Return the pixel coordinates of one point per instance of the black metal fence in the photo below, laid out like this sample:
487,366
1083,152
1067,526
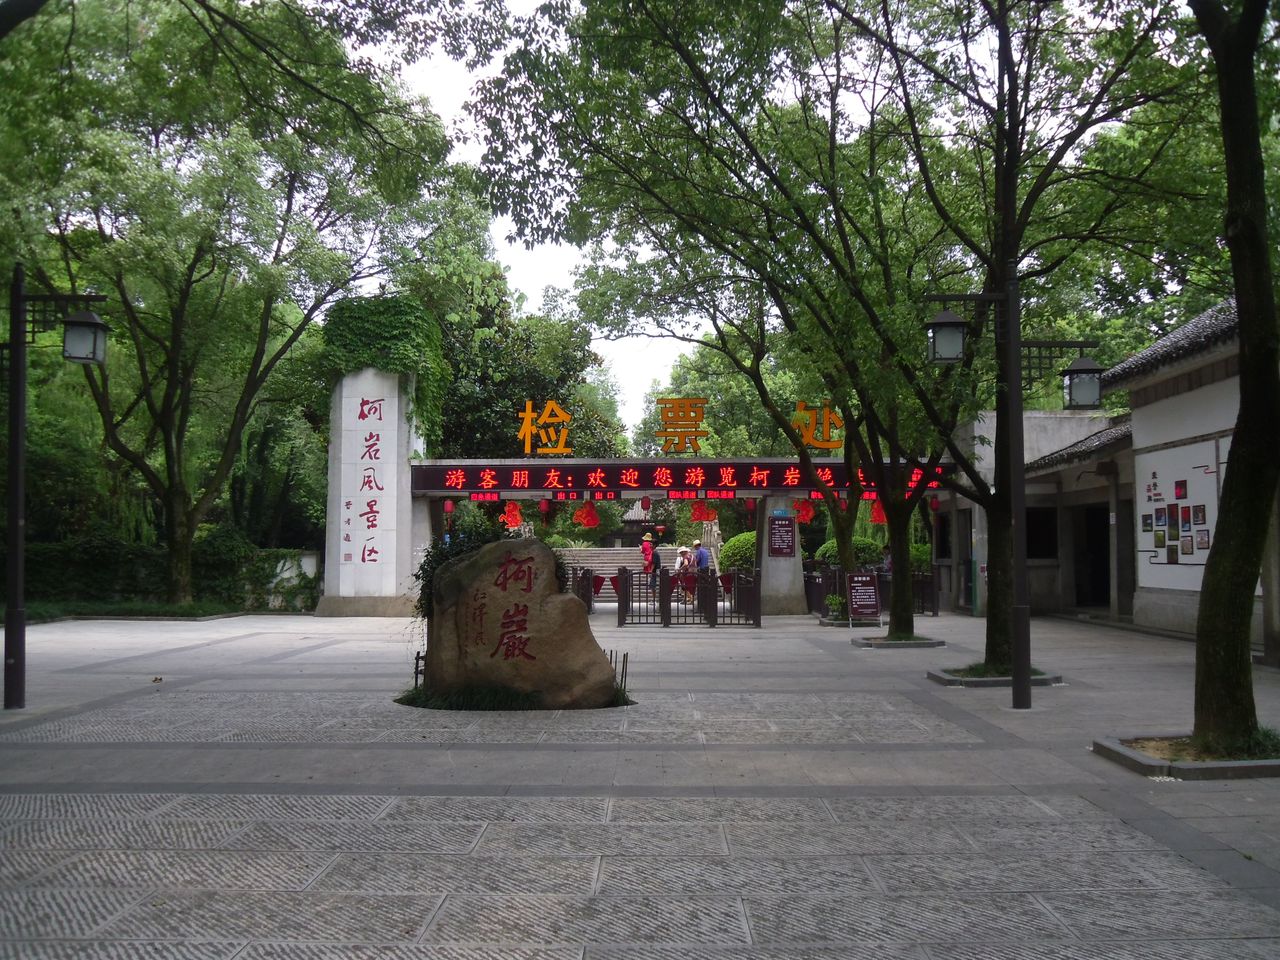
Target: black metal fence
702,599
581,586
821,583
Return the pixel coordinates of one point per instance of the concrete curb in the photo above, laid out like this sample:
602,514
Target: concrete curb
868,644
1135,760
951,680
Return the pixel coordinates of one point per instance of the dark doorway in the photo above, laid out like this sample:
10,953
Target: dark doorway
962,547
1092,548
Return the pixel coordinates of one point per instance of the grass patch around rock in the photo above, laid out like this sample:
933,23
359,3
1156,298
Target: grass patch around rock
488,698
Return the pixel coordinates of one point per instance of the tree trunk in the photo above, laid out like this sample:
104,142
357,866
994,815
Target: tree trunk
180,536
999,651
1225,714
902,622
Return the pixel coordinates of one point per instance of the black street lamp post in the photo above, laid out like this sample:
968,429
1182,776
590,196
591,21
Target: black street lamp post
947,335
85,337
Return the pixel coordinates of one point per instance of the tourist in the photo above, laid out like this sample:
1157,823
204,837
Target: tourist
684,569
651,561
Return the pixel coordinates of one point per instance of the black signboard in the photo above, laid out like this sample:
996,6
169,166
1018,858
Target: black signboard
782,536
864,597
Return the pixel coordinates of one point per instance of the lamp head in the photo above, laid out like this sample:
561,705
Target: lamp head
84,338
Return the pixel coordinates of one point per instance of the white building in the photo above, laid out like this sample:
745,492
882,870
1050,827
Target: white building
1121,512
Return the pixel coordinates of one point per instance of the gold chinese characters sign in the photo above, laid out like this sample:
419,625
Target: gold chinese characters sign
546,431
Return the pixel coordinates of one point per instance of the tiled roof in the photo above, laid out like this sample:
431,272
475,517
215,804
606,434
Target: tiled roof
1116,435
1216,325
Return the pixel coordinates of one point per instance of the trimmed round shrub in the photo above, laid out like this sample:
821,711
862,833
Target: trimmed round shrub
739,553
866,553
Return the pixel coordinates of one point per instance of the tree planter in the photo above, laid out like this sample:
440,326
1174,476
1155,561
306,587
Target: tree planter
879,643
1150,766
948,679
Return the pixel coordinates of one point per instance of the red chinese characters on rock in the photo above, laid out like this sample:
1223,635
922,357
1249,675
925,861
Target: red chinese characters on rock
513,641
514,574
515,570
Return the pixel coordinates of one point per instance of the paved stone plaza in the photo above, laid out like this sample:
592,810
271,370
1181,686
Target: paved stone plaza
246,788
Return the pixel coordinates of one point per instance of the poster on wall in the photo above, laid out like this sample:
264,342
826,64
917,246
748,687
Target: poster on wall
1202,539
1146,523
1182,497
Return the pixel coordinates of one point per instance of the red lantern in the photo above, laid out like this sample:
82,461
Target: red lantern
511,516
544,507
448,507
877,512
933,503
750,505
804,510
645,504
661,528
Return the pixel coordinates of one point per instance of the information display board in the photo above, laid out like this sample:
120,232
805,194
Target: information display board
863,596
782,536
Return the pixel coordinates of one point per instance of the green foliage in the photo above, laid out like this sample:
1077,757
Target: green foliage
921,558
114,576
835,606
866,553
500,361
221,201
394,334
739,553
474,531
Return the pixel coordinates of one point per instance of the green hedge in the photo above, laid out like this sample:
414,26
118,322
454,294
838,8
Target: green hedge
225,568
866,553
739,553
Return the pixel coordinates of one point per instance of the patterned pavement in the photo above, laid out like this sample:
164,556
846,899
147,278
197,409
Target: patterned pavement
773,795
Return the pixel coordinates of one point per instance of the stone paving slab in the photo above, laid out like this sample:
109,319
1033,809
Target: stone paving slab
274,916
886,918
544,919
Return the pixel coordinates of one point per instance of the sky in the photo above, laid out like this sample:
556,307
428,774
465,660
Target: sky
634,362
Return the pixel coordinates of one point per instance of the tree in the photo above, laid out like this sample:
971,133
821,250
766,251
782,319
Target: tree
221,223
772,140
1237,36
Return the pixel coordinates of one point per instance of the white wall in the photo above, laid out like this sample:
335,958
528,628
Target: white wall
1208,410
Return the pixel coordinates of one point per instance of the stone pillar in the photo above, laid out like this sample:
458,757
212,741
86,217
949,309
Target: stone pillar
781,577
368,569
